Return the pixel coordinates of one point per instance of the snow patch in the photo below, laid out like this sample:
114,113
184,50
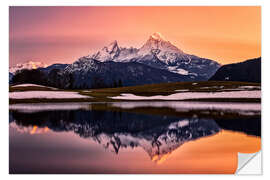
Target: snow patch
193,95
45,95
32,85
181,90
182,71
86,91
179,70
249,87
183,123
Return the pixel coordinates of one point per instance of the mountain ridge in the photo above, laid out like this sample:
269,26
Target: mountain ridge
159,53
157,61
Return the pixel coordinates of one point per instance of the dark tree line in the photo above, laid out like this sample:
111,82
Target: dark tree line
36,76
30,76
56,79
98,82
117,83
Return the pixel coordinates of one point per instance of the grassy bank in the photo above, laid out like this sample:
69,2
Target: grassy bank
102,95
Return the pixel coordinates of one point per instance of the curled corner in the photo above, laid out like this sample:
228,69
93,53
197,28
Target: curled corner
249,163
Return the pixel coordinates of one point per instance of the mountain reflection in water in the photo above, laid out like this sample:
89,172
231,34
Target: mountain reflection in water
158,135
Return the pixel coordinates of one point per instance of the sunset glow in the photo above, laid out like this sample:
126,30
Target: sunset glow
38,130
62,34
207,153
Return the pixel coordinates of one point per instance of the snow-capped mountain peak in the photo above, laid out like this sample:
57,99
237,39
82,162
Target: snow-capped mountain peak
164,50
107,53
159,53
155,48
158,36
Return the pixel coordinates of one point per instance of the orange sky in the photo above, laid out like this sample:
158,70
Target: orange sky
62,34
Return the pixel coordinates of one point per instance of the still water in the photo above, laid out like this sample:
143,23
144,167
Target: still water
96,138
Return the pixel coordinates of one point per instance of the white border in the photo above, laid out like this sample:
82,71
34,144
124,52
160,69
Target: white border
4,76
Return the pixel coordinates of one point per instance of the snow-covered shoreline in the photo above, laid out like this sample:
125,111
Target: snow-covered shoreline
46,95
192,95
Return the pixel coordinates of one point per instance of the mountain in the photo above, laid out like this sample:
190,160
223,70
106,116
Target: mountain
247,71
157,61
27,65
90,73
159,53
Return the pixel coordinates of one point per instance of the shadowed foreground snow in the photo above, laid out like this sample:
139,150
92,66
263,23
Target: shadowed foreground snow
193,95
39,107
45,95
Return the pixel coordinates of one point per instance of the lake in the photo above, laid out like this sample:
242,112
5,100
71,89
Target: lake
132,137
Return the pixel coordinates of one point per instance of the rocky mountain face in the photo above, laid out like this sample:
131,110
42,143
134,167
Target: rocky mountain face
90,73
247,71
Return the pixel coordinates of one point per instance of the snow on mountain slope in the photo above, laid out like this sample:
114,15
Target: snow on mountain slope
156,45
27,65
87,73
179,70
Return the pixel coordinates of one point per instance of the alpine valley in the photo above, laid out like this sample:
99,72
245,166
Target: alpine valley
157,61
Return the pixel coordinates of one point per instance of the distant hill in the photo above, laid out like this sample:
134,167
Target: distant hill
247,71
53,66
27,65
